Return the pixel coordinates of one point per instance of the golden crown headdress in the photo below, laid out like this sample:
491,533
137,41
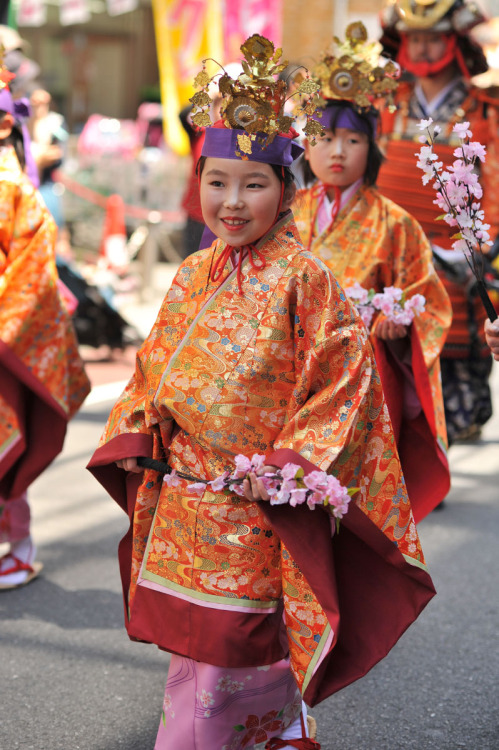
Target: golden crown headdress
255,100
354,73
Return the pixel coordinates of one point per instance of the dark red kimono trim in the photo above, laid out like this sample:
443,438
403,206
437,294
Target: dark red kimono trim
369,592
42,423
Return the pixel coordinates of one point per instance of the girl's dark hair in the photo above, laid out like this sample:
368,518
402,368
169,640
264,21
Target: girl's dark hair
284,174
15,139
375,157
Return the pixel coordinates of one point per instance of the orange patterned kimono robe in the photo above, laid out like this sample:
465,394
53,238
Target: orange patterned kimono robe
376,243
42,380
284,370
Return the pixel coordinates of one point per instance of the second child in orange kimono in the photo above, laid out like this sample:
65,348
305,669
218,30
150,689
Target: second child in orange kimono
42,378
257,350
363,237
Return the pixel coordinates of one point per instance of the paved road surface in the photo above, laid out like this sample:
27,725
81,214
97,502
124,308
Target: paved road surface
70,679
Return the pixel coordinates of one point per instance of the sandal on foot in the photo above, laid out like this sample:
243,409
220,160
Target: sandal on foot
312,727
18,566
305,743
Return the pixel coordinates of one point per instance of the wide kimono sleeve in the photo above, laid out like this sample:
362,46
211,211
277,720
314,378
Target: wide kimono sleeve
365,585
134,427
337,419
409,266
411,380
42,378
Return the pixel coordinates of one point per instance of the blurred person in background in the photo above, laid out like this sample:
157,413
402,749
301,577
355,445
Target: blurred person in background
26,72
431,41
48,137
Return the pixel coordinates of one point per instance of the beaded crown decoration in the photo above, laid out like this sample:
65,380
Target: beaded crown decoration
354,73
254,102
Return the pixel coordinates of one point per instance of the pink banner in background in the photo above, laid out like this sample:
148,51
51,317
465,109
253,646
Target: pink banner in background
73,11
242,19
31,13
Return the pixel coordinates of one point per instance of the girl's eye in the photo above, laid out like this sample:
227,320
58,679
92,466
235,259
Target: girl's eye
216,183
255,185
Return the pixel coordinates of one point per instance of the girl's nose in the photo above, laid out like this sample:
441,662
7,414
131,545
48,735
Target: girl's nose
232,198
338,147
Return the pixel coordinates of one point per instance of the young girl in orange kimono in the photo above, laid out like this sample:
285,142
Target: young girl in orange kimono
364,237
257,350
42,380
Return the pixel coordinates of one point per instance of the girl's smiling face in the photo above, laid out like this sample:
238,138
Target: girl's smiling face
240,199
339,158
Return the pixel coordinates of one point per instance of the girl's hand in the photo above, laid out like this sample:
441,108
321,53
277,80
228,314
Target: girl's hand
492,336
129,464
254,488
389,331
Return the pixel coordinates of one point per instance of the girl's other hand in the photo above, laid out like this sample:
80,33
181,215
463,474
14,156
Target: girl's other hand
389,331
492,337
254,488
129,464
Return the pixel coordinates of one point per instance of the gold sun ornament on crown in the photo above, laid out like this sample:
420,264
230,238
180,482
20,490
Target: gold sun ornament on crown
355,72
255,101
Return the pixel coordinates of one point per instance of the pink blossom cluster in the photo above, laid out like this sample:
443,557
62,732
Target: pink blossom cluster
392,302
458,190
287,485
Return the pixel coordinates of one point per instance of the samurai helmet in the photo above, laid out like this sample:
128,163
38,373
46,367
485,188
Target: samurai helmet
431,15
453,17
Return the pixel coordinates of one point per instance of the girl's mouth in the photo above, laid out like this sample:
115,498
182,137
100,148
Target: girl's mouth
337,168
233,223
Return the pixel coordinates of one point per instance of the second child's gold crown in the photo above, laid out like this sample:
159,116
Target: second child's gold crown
354,73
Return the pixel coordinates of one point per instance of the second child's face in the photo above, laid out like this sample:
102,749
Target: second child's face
239,199
339,158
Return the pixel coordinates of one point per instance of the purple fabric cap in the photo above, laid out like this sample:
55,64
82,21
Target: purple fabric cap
347,117
222,143
6,101
20,110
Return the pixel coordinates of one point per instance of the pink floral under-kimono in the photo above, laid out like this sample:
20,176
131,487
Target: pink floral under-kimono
234,707
284,369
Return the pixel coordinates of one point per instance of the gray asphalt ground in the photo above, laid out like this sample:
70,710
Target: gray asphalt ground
70,679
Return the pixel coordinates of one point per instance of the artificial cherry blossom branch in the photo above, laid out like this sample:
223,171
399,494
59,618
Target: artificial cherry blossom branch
458,192
392,302
288,485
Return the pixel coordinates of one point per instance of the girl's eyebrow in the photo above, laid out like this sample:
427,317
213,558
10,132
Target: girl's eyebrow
221,173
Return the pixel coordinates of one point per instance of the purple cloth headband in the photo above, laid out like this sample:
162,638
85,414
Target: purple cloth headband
19,108
222,143
343,116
